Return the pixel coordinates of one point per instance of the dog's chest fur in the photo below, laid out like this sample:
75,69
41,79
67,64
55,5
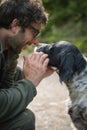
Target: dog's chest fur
78,85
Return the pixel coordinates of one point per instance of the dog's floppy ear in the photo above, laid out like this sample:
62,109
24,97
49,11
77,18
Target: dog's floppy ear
66,68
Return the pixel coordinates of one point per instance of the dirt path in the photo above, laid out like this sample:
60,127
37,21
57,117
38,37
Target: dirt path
50,105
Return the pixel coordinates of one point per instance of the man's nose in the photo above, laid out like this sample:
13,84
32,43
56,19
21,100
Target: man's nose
35,41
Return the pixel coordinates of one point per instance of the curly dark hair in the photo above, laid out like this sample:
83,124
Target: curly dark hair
26,11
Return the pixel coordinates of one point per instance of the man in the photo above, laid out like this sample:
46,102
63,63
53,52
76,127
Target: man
20,24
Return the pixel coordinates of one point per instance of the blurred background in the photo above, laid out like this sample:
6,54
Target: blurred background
67,21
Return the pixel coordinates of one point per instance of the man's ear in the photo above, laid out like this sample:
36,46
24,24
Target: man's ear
14,25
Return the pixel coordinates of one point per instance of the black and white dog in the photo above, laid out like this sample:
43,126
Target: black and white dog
72,70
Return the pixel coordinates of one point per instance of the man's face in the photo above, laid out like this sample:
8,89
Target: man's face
21,39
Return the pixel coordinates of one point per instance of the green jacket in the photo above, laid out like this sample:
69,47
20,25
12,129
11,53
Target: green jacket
14,96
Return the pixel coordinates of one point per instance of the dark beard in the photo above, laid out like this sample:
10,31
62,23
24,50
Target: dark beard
15,43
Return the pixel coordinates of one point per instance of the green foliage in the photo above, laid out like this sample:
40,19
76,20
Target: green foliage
62,11
28,50
67,21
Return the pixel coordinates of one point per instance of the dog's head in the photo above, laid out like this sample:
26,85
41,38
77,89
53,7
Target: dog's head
65,57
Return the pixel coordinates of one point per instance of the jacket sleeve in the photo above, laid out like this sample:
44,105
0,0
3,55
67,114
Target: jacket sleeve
15,99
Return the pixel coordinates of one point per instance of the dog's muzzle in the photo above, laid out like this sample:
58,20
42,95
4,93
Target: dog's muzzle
38,48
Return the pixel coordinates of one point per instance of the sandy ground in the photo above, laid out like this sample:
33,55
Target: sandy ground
51,105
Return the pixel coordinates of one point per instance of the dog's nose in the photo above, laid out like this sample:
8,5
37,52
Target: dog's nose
39,45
